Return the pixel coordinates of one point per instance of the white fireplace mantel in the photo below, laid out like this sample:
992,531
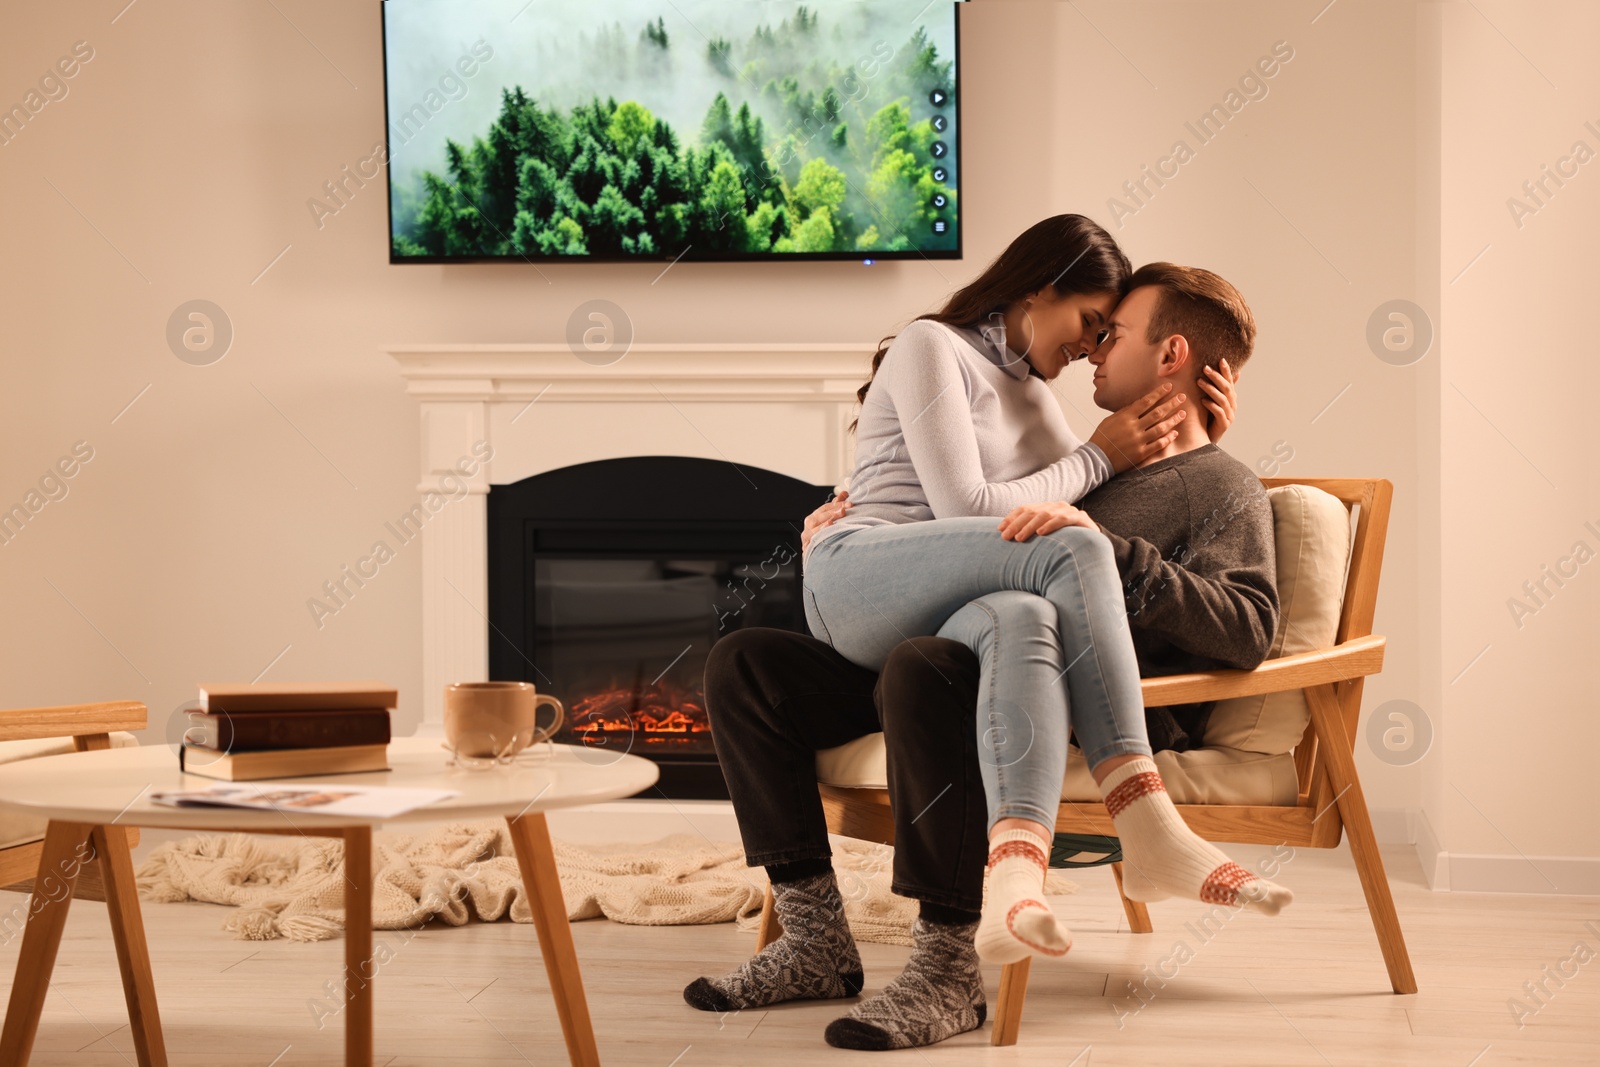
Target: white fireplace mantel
537,407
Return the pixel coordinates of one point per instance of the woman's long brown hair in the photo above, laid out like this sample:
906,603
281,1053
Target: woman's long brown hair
1070,252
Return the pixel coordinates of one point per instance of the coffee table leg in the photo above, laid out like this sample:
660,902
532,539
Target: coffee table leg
359,973
133,953
530,836
62,853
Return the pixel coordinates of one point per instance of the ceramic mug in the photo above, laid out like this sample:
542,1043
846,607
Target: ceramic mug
484,720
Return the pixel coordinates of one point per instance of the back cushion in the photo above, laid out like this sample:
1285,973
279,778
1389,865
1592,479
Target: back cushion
1312,531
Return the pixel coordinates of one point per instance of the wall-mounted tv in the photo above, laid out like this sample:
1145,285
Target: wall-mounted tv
616,130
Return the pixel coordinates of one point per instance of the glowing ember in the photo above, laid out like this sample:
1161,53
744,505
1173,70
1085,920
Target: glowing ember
662,711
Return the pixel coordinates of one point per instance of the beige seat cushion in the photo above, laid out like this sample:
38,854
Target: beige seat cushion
1312,531
1200,776
1207,775
1245,755
18,829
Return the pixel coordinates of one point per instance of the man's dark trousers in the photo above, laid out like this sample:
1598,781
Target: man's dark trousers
776,697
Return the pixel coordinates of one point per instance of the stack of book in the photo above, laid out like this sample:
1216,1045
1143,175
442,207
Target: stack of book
246,732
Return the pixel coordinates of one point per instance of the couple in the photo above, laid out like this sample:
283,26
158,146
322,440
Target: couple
1045,619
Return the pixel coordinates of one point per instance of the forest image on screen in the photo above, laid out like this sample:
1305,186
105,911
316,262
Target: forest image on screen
702,129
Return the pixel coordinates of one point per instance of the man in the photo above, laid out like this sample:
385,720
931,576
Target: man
1191,531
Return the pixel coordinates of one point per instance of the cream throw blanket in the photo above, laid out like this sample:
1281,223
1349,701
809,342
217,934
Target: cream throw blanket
293,887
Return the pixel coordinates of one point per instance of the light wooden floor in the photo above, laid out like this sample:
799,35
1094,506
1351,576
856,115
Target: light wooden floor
1307,987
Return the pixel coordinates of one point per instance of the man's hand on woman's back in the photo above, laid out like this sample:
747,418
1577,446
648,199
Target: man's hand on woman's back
824,516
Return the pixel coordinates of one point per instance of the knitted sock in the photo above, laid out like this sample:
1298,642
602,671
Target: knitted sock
1162,857
815,959
1016,920
938,995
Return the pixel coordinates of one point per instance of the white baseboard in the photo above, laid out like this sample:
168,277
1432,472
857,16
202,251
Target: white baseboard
1468,872
1540,875
1434,859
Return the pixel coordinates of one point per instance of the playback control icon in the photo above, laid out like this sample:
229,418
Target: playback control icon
939,150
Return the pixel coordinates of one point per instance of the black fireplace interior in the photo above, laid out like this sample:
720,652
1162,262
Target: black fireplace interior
610,581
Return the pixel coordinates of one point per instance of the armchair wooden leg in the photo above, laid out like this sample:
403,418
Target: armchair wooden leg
770,929
65,846
111,845
1338,759
1008,1004
1138,915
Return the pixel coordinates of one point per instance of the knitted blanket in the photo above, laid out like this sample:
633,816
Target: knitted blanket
293,887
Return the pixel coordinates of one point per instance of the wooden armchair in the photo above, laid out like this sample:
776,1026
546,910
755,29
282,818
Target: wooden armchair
1329,801
90,726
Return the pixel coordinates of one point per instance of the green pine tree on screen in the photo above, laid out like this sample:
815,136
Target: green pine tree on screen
798,151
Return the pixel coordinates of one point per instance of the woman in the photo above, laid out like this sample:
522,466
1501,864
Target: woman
958,427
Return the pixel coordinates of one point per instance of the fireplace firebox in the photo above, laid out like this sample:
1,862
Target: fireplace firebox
610,581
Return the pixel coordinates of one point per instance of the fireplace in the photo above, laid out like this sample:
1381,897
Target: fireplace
609,582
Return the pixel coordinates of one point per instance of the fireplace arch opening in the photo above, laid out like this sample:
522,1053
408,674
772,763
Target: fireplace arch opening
610,581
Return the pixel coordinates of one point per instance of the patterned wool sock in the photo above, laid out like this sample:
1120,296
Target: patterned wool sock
1162,857
1016,919
815,959
938,995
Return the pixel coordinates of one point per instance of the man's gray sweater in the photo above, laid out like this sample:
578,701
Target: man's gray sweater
1193,539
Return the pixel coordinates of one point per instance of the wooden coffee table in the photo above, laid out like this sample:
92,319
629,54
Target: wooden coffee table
90,798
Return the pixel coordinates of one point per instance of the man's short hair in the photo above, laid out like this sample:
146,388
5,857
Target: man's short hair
1204,307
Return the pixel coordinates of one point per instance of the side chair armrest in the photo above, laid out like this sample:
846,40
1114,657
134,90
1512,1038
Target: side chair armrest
1356,658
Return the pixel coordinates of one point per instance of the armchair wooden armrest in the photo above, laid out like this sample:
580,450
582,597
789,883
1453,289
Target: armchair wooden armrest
1355,658
73,720
90,726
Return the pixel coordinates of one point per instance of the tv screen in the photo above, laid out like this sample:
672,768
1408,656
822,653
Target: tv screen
622,130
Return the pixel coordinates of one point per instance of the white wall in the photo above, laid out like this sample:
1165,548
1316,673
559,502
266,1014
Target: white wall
180,165
1512,449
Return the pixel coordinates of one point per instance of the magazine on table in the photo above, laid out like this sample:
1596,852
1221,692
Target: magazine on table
362,800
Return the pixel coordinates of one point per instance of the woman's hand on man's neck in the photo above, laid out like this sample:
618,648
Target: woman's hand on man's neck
1192,431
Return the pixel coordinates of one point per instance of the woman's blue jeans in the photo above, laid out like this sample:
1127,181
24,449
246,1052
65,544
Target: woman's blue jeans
1045,616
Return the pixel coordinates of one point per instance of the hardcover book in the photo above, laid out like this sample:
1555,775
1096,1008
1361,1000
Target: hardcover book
254,731
297,696
282,763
